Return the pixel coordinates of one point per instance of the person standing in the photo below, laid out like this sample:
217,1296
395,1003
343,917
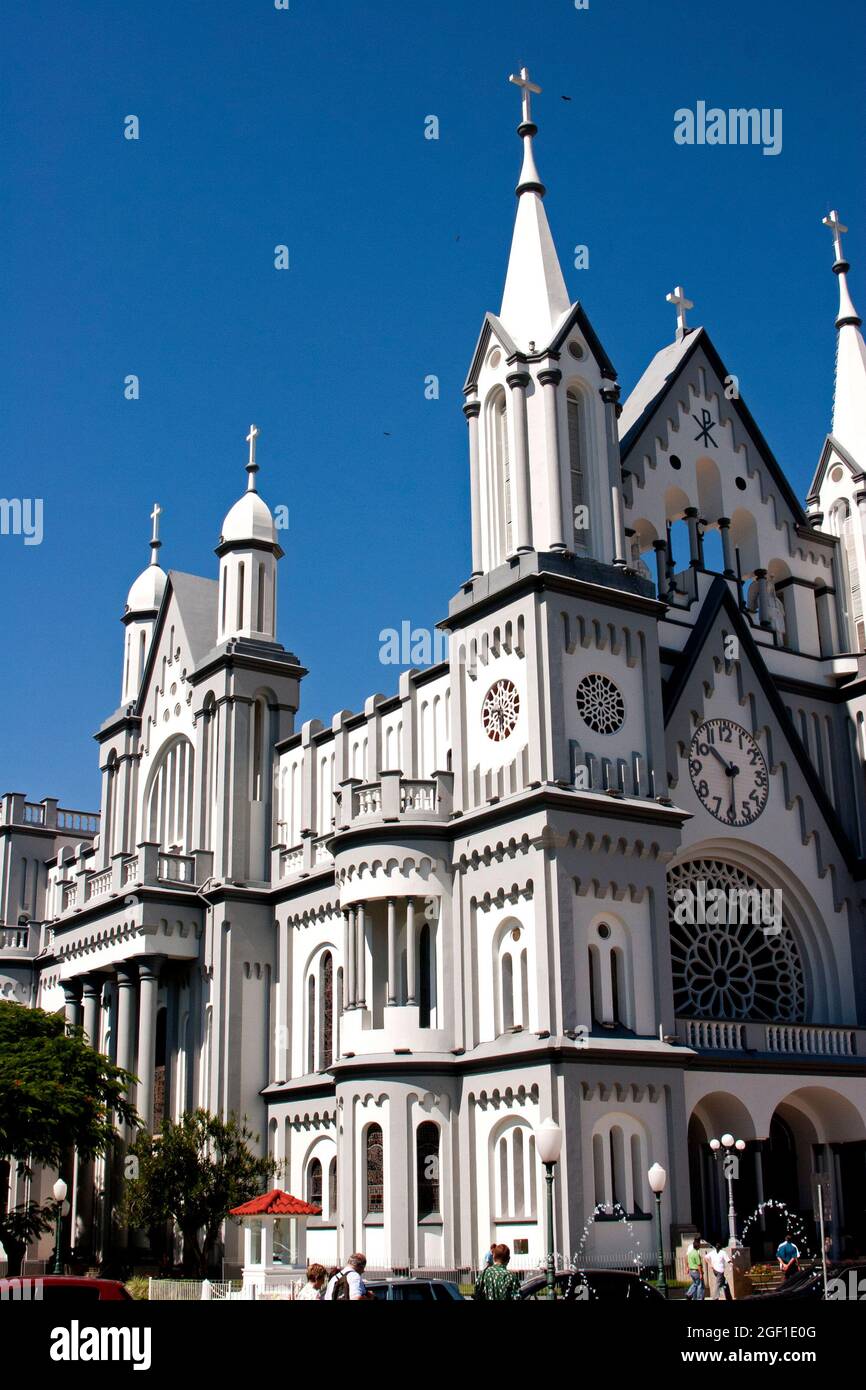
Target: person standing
496,1283
348,1283
695,1264
719,1259
789,1257
314,1289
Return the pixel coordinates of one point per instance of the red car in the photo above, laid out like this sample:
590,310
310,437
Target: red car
62,1288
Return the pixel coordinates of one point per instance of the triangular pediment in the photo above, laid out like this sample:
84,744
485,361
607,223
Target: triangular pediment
682,376
834,452
721,675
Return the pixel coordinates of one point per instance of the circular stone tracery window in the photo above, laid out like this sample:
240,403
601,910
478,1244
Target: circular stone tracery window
500,710
600,704
730,967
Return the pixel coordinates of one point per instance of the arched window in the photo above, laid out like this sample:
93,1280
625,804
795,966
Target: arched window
609,989
314,1182
511,965
498,478
515,1173
260,601
326,994
258,750
842,525
374,1171
427,1169
241,580
427,976
332,1189
620,1162
577,473
170,797
311,1023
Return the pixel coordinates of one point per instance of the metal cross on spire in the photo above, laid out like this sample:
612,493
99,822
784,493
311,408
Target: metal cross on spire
677,297
834,222
252,466
521,80
155,542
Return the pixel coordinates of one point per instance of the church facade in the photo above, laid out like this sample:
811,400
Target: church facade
603,864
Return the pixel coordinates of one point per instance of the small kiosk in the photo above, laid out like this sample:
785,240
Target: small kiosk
275,1242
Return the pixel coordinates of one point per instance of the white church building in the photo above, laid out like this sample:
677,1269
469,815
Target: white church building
525,884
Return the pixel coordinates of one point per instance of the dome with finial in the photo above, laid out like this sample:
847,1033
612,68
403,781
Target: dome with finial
147,592
250,518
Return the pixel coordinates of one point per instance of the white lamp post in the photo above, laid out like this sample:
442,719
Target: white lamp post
60,1191
728,1142
548,1139
657,1178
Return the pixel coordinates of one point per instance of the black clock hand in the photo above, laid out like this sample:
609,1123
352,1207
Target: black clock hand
716,754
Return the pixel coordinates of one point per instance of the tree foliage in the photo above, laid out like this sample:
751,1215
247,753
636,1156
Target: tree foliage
20,1226
193,1173
56,1091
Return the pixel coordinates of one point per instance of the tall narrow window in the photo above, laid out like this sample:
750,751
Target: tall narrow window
311,1024
260,609
241,578
314,1182
504,461
326,984
425,960
225,590
374,1186
427,1155
142,651
258,738
332,1189
615,980
576,463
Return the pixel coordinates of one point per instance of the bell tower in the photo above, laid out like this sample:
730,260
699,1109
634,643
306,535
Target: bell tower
541,404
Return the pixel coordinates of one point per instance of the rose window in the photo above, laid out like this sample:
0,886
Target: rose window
732,956
600,704
500,710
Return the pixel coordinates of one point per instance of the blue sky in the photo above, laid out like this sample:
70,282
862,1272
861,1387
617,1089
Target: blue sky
306,128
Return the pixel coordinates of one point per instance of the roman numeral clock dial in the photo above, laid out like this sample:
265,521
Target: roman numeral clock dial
728,772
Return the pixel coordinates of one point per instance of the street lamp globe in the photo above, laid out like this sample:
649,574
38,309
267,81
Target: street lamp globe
740,1144
657,1178
60,1190
715,1145
548,1137
728,1141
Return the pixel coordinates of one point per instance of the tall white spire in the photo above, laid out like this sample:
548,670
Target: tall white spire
849,400
535,297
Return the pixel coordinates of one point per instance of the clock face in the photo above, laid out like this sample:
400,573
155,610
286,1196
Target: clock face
728,772
500,710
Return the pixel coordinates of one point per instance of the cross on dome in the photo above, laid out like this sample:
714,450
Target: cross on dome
834,222
155,542
677,297
252,466
521,80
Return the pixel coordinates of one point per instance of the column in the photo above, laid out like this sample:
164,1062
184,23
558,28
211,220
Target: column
347,951
618,529
549,380
472,410
127,978
518,382
92,993
72,998
727,550
411,967
148,990
392,952
350,958
361,952
661,550
695,548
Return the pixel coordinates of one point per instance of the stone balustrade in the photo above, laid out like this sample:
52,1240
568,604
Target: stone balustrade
785,1039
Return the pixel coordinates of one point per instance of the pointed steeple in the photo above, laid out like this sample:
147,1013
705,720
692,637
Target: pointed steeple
535,297
849,399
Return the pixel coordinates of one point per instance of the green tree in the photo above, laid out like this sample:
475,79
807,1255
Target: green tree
20,1226
56,1091
193,1173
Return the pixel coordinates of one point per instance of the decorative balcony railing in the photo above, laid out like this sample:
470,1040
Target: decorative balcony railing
176,868
395,797
14,938
788,1039
97,885
83,821
15,809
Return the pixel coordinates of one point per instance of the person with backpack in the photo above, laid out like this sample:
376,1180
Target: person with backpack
348,1283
